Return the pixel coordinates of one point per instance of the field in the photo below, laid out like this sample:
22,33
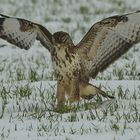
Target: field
28,85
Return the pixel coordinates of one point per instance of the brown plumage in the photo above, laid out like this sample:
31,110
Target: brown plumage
74,65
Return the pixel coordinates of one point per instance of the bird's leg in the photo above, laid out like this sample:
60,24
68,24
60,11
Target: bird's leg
87,91
60,94
74,89
74,95
61,107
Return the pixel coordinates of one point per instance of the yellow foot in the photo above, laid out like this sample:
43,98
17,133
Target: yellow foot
67,108
63,109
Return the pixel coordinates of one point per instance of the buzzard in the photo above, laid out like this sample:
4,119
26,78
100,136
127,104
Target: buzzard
74,65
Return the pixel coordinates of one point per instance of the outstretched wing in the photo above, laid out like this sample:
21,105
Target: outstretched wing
23,33
107,40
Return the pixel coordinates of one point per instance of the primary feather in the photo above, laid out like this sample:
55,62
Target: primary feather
23,33
108,39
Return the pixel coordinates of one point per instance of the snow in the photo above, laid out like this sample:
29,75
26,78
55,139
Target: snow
28,86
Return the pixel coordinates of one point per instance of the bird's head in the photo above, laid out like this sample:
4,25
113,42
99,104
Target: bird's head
62,38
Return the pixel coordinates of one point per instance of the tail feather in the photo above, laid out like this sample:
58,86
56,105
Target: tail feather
88,91
5,16
104,94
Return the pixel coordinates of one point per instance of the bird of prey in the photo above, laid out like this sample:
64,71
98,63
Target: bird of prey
74,65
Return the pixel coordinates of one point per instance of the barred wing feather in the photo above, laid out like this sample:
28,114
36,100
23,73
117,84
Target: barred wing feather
108,39
23,33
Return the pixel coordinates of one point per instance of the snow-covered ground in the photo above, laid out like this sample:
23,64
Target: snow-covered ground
28,86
